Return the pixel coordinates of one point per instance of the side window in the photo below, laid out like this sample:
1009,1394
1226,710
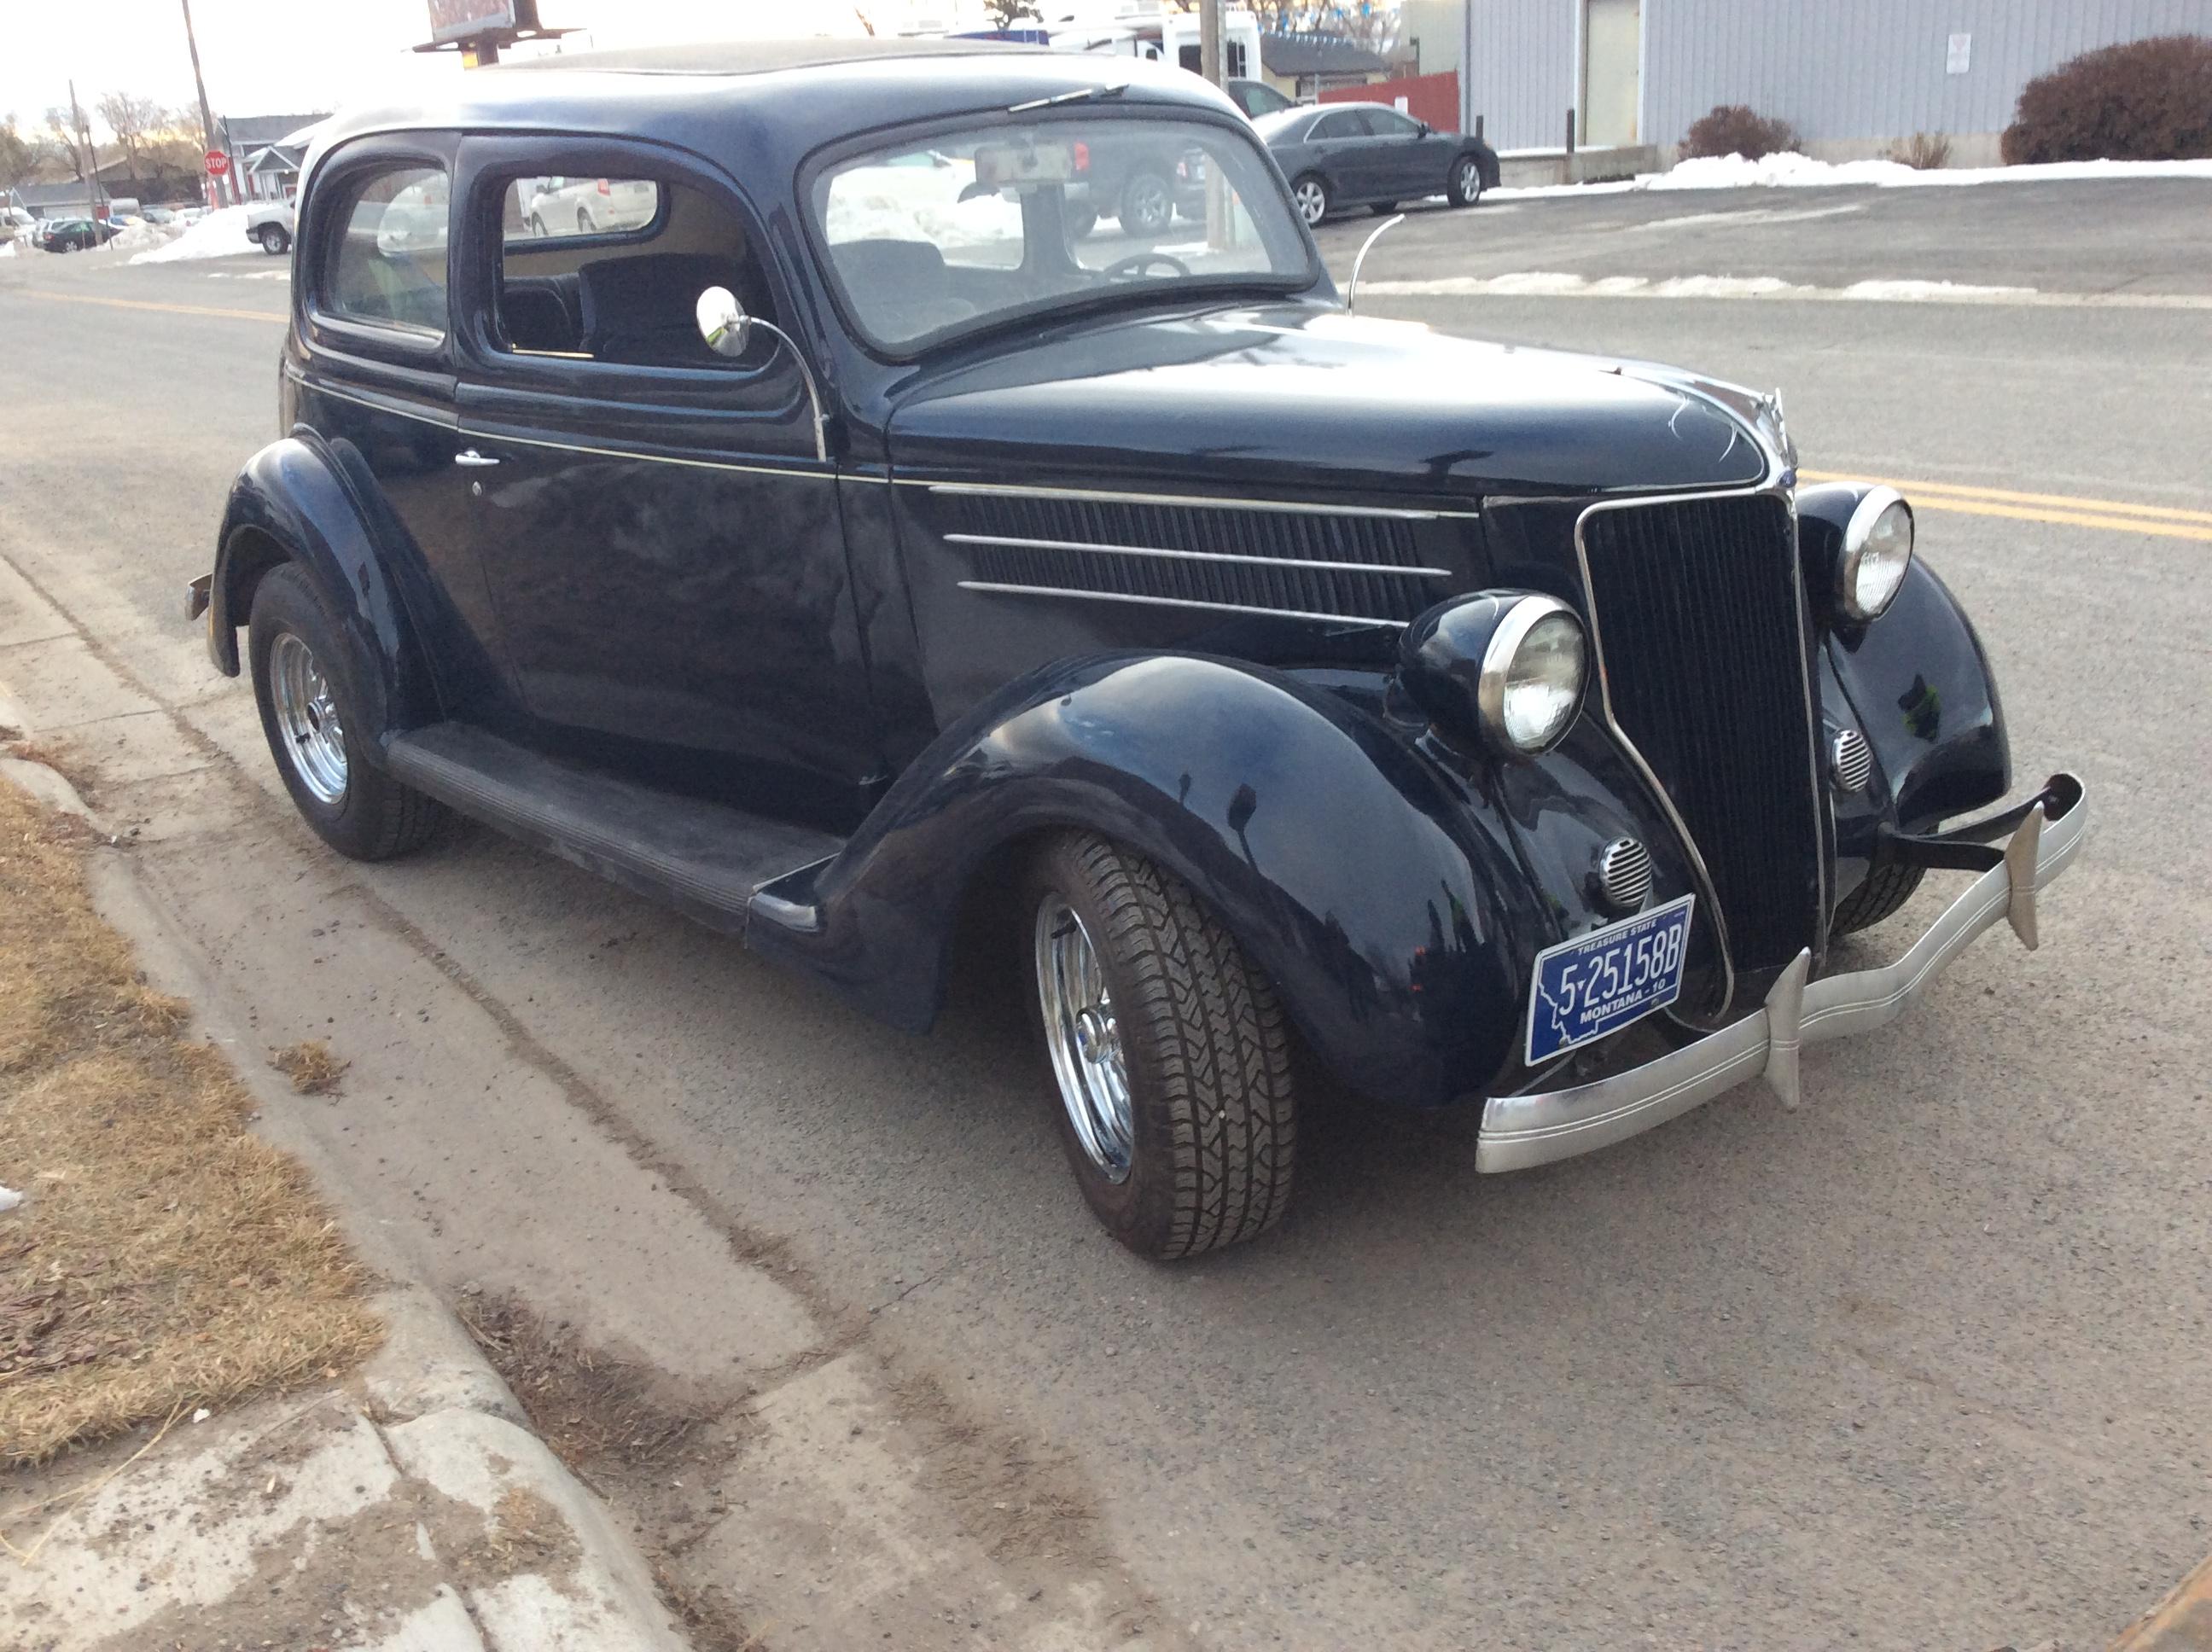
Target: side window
611,270
1388,123
1344,123
386,263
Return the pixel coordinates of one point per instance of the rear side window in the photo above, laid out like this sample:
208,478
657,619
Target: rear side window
572,209
1345,123
387,262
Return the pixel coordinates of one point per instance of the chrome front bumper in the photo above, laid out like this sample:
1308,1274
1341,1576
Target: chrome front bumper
1519,1131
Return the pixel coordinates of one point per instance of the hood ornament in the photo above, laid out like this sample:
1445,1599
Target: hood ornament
1352,287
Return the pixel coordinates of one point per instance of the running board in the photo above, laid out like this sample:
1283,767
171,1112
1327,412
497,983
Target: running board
706,860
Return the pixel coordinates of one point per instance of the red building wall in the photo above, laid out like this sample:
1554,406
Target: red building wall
1432,98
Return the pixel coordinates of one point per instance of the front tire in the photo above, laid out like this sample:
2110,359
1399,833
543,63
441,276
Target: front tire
1169,1054
1465,184
1310,195
298,657
1884,890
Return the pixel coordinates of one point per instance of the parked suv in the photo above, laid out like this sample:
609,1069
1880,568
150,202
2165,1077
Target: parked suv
853,558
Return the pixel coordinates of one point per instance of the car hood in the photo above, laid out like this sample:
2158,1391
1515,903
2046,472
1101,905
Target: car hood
1300,397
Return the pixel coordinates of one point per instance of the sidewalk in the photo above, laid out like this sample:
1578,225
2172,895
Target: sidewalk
404,1510
154,1256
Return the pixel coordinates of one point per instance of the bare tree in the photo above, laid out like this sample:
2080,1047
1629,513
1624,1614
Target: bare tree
19,155
132,119
1007,14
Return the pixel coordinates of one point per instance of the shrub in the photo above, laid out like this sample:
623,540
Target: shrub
1923,152
1738,129
2147,100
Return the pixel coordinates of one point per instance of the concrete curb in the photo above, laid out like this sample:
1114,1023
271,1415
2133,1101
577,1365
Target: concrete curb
441,1417
2181,1623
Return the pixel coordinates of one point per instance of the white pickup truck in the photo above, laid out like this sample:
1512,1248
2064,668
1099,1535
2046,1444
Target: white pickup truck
270,223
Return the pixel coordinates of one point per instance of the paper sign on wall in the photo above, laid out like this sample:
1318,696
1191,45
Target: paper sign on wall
1961,52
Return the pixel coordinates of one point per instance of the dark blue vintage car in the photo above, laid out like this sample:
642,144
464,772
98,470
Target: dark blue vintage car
802,521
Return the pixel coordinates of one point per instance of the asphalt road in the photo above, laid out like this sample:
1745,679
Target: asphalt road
1924,1364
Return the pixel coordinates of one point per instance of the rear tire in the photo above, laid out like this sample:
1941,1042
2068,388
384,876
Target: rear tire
1197,1062
1147,203
1885,889
354,807
1381,209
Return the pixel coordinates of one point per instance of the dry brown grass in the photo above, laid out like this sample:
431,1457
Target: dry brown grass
310,1066
163,1258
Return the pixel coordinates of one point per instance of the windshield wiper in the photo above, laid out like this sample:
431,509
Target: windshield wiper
1082,93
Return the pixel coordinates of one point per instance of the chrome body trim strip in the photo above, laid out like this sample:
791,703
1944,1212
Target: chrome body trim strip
1109,496
1192,555
1175,602
1519,1131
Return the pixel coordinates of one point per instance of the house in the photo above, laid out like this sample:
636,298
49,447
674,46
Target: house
152,179
67,199
1302,66
265,151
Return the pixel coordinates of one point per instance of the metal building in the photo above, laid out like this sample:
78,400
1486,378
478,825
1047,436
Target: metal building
1851,76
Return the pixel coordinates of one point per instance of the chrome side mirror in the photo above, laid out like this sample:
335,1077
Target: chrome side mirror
723,322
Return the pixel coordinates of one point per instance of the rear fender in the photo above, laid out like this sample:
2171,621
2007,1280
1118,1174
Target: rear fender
290,502
1390,916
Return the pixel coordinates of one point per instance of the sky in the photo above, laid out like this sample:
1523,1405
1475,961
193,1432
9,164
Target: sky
292,57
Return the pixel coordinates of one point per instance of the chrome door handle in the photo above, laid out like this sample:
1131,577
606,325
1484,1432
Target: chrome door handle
469,458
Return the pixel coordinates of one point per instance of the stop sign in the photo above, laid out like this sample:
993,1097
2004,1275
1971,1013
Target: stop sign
217,163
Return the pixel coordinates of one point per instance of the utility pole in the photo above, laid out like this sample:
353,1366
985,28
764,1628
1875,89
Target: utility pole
1209,66
207,120
1209,41
88,167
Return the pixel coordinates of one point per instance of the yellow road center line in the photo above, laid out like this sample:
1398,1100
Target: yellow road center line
278,316
2064,519
1911,490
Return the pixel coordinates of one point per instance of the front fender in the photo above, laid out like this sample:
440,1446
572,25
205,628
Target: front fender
1392,919
1918,680
291,502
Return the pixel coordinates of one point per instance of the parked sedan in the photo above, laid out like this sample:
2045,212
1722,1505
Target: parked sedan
74,234
1342,154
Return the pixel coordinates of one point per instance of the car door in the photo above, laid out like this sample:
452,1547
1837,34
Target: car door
1340,145
371,376
1410,162
659,525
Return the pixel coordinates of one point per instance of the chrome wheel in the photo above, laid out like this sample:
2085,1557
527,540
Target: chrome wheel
307,714
1083,1038
1311,198
1147,208
1470,182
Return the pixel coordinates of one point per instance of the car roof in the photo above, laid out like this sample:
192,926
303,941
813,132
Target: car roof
761,106
1288,122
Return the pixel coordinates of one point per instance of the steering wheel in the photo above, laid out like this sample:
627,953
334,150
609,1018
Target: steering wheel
1125,269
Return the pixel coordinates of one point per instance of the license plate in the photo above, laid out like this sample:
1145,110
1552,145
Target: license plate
1600,982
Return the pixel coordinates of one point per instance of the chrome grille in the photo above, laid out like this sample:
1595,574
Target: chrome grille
1319,566
1698,622
1850,761
1624,872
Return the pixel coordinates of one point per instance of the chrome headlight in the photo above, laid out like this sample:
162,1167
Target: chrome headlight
1877,550
1500,668
1532,674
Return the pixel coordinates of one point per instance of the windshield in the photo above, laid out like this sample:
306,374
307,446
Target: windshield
1000,216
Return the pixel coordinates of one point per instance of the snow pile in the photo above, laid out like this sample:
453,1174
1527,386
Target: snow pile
139,236
8,249
219,235
1794,171
920,204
